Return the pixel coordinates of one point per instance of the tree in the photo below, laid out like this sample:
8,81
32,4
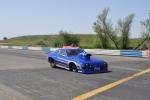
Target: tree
5,38
41,43
145,39
57,43
68,38
124,26
103,28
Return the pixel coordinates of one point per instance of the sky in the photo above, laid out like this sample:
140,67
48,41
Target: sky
39,17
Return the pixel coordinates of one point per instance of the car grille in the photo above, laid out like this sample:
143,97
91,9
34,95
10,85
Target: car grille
92,68
99,67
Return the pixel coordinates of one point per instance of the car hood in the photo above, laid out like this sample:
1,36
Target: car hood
84,60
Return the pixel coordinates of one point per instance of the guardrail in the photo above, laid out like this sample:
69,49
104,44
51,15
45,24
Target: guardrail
128,53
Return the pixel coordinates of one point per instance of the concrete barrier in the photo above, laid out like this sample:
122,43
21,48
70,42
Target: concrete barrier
17,47
102,51
53,49
35,48
4,47
24,47
129,53
144,53
9,47
45,49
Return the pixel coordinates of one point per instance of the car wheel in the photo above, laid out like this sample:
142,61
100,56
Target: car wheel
74,68
52,63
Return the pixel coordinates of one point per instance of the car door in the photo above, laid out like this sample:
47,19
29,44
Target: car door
62,58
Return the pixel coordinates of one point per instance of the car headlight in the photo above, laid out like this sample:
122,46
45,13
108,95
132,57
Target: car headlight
105,64
87,65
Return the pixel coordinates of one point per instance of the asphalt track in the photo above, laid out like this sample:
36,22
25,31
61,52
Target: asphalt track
26,75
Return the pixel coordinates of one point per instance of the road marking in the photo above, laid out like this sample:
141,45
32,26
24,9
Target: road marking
109,86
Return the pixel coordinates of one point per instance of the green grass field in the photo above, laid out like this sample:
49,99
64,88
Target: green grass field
86,41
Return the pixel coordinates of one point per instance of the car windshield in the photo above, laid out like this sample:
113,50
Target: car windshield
73,52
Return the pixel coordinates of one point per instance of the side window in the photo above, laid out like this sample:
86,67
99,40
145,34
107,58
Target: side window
61,52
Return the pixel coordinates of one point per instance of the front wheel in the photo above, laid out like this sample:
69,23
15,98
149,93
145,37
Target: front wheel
52,63
73,68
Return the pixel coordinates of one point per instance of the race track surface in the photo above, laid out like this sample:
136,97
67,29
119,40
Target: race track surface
26,75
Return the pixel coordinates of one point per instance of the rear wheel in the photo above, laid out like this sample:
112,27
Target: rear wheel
52,62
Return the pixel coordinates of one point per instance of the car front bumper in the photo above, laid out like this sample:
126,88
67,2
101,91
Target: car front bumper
91,70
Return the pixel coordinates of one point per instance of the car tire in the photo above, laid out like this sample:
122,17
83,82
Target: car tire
74,68
52,62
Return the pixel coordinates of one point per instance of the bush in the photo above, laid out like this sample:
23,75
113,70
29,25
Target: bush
68,39
57,43
41,43
97,43
5,38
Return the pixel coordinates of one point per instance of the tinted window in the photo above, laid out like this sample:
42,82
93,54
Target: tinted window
73,52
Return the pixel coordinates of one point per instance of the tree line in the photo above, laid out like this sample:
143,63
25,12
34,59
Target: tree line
107,34
119,35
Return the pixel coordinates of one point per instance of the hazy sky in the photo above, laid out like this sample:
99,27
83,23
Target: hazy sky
29,17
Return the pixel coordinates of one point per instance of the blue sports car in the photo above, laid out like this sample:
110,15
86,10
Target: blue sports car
77,60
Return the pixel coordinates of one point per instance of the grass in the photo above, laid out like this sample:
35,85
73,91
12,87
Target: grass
86,41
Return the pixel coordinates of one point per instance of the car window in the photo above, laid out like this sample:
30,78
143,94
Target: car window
73,52
61,52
